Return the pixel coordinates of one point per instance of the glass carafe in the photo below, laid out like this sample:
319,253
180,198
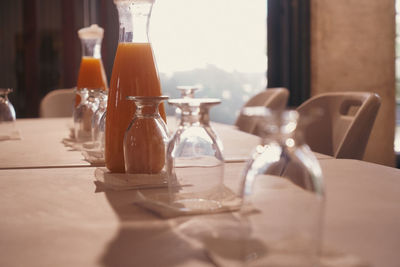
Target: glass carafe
83,115
146,138
134,74
195,163
91,70
283,179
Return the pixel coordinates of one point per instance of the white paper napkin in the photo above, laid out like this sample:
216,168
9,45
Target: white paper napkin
10,135
8,131
94,156
159,203
124,181
282,253
72,143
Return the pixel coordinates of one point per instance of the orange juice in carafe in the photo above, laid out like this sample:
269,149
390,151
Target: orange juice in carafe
134,74
91,71
91,74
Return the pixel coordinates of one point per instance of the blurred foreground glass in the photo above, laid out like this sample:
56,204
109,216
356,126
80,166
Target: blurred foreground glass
146,138
97,123
83,114
284,180
7,114
195,163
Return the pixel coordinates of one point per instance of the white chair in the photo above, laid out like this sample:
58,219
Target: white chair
57,103
273,98
345,125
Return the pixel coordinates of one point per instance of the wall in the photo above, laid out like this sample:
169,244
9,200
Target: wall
352,49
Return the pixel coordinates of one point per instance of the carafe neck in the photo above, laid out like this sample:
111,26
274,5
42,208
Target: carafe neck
91,47
134,20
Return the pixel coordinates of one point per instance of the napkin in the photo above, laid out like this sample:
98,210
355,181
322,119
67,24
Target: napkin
283,253
8,131
72,143
10,135
90,150
127,181
159,203
92,153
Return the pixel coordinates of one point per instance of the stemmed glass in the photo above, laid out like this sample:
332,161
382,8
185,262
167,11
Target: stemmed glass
186,91
146,138
97,124
83,114
205,107
284,177
7,116
7,111
195,163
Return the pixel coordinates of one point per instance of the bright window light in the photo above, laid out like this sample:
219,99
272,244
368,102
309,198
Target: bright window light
219,45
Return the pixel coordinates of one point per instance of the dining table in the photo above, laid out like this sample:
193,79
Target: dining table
55,213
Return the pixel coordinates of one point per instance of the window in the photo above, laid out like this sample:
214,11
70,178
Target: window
218,45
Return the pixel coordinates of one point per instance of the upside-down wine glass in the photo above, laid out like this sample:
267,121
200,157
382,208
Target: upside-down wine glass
146,138
83,114
97,124
7,113
195,163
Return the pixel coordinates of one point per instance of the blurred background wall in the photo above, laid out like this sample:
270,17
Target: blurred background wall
353,49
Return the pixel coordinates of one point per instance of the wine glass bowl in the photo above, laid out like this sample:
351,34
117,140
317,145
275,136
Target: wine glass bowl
98,119
83,114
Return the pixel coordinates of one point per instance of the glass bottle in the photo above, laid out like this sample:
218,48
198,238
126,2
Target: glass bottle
284,178
195,164
91,71
146,138
134,74
83,115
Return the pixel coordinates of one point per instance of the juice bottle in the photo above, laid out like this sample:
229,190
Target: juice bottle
134,74
91,71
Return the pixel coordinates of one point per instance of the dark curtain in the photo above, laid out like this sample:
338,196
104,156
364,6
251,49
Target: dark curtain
288,25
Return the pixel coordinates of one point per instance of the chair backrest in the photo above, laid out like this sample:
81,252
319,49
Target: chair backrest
273,98
57,103
344,128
